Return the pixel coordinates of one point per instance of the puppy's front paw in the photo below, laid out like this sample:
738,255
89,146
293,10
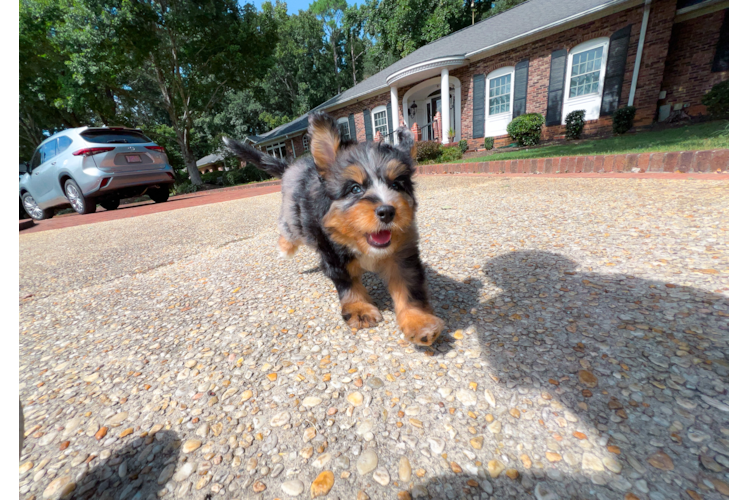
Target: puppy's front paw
361,314
420,327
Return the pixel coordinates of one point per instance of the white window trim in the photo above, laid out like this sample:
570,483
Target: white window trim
492,119
272,148
345,120
590,103
305,142
380,109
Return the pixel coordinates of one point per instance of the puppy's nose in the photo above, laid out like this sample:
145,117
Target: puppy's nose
386,213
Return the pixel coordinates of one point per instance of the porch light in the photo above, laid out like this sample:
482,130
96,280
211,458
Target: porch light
412,110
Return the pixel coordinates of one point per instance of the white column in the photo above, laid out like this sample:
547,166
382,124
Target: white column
445,106
395,108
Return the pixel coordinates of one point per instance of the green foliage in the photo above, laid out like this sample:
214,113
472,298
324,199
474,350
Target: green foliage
717,100
488,143
452,153
575,125
183,188
623,119
244,175
427,150
463,146
525,129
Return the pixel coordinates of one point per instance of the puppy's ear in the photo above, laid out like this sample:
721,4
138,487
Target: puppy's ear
325,141
405,142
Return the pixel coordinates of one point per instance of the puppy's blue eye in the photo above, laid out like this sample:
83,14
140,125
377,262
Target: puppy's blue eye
356,189
395,185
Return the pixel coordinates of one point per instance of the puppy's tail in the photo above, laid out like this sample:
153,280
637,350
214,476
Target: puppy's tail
265,162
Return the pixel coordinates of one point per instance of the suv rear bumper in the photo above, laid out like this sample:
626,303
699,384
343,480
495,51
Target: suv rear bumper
137,179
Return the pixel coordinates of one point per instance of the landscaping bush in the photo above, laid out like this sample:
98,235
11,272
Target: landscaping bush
463,146
488,143
717,100
574,125
525,129
183,188
623,119
427,150
450,154
212,177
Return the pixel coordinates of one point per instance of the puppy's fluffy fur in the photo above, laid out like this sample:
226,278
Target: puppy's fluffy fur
355,205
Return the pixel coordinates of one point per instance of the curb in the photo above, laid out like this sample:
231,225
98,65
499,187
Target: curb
684,162
25,224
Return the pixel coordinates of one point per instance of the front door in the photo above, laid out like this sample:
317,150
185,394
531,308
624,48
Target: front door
436,106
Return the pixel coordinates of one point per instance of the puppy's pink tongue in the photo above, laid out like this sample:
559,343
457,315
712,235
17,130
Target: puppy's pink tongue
381,238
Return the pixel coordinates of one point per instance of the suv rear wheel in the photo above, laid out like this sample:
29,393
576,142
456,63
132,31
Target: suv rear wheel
159,194
33,209
110,204
80,203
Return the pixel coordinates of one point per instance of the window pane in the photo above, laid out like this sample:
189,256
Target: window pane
585,72
115,136
380,123
48,150
344,132
63,143
499,94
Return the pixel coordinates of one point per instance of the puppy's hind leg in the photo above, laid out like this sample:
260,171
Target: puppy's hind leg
286,248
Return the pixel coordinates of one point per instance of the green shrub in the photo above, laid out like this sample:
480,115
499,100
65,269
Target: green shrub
213,177
575,125
717,100
450,154
183,188
463,146
623,119
525,129
488,143
427,150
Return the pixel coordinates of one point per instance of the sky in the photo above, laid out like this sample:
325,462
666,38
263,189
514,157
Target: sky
293,5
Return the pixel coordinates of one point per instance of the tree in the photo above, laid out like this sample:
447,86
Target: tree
191,51
331,12
357,43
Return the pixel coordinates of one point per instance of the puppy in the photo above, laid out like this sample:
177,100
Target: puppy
355,205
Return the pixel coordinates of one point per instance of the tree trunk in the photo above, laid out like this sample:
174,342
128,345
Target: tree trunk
353,62
334,43
189,158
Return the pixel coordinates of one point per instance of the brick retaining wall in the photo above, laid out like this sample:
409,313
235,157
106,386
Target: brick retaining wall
677,161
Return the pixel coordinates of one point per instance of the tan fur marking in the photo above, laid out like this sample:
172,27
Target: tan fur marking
416,321
356,303
355,173
395,169
286,247
325,144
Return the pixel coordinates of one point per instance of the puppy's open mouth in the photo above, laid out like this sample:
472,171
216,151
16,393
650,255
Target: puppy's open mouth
379,240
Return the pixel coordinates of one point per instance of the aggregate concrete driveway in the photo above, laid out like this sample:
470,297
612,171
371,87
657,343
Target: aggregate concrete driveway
174,355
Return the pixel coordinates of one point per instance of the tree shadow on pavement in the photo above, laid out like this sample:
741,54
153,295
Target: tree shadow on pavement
136,471
605,384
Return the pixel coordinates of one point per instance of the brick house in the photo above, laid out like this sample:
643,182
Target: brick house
542,56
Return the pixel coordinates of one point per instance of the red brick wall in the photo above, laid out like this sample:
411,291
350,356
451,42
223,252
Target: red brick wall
357,109
649,82
688,68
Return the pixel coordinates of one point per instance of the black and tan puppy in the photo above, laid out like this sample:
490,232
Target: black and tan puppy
355,205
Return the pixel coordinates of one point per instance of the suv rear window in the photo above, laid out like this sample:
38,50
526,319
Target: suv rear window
115,137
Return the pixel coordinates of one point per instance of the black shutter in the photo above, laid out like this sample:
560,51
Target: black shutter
614,70
722,54
389,117
479,106
521,72
367,125
352,127
556,83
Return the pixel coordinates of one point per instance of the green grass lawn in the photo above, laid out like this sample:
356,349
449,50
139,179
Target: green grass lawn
709,135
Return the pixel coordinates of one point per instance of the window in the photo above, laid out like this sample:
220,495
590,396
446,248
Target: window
108,136
379,116
345,132
63,143
499,95
585,72
585,77
48,150
278,149
35,160
305,142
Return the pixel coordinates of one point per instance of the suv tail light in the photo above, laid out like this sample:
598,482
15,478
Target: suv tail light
91,151
160,149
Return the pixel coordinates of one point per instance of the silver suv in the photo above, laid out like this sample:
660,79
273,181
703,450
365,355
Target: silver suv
87,166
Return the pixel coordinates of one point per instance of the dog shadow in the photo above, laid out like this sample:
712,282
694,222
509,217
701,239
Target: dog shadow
137,470
654,349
